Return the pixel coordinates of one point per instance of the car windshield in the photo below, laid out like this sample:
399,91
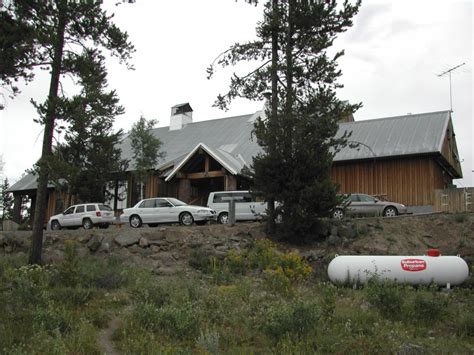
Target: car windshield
177,202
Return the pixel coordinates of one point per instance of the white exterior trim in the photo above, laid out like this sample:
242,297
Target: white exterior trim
191,153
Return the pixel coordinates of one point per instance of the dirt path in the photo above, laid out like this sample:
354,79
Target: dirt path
106,343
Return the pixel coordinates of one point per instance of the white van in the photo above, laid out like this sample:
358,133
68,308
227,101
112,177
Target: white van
246,207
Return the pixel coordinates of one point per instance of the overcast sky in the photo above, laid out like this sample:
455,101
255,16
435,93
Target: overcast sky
393,55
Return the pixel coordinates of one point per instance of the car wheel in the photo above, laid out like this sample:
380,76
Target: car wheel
338,213
186,219
223,218
201,223
87,223
135,221
55,226
390,212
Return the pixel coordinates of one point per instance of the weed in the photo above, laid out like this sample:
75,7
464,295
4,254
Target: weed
387,297
427,308
461,217
295,319
208,341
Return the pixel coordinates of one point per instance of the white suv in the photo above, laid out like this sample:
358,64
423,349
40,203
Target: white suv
86,215
246,207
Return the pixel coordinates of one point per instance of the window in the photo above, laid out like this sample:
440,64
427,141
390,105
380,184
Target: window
366,198
104,208
163,203
243,197
354,198
90,208
147,204
70,210
80,209
218,197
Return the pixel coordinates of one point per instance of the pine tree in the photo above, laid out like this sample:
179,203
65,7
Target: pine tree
57,33
146,151
297,136
6,201
89,158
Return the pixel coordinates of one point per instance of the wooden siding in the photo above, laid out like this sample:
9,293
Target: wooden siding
410,181
454,200
449,151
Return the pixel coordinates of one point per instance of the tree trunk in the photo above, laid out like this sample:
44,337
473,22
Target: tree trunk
274,106
46,153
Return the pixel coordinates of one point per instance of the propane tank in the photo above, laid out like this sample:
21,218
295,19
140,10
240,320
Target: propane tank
415,270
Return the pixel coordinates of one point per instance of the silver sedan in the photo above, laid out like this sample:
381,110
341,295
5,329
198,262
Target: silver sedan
153,211
366,205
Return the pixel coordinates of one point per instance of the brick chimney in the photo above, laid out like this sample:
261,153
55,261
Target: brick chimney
181,115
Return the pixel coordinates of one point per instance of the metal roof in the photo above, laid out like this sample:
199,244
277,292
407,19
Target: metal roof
27,183
229,139
395,136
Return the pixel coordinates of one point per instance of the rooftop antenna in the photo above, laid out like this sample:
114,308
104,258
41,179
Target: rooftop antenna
449,71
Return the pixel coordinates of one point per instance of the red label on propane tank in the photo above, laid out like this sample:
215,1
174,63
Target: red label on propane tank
413,264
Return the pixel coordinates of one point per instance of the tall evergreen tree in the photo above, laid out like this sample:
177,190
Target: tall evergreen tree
146,151
58,32
6,201
89,157
297,135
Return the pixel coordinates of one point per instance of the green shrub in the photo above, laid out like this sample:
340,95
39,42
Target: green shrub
146,315
236,263
208,341
53,319
465,325
76,296
277,281
387,297
461,217
178,322
203,261
328,301
427,308
295,320
68,270
152,294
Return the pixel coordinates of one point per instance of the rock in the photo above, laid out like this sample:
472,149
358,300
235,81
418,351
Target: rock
154,248
84,238
194,244
160,242
348,231
408,349
165,259
94,243
143,242
53,257
217,243
106,244
222,248
126,240
165,271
